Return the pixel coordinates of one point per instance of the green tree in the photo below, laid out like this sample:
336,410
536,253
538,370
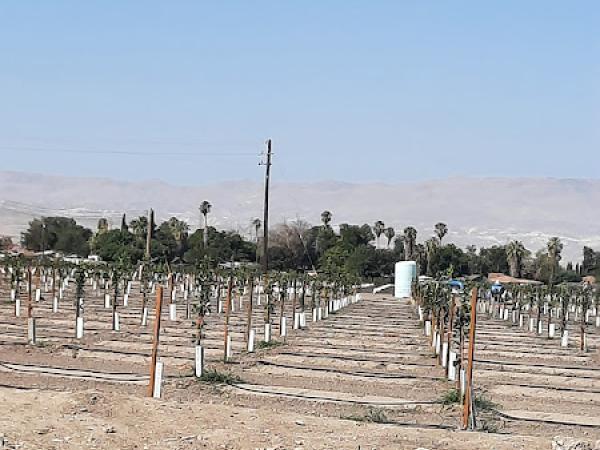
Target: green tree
493,259
410,241
61,234
555,248
116,245
515,252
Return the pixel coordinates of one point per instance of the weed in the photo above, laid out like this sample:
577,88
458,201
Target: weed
483,404
213,376
451,397
374,415
271,344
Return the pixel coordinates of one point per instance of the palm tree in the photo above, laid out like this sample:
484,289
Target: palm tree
515,250
205,208
555,247
257,223
441,230
389,234
103,225
410,241
139,226
378,229
431,246
179,229
326,218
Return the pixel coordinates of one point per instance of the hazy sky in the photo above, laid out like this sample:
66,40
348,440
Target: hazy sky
348,90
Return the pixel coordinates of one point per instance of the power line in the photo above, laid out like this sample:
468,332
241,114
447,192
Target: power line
126,152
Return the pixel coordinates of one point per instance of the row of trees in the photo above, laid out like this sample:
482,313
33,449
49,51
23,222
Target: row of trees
297,245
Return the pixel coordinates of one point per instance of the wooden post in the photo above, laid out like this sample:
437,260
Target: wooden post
469,373
227,311
156,337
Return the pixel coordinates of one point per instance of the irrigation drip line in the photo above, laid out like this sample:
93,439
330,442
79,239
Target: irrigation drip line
379,375
556,388
547,421
21,388
583,377
427,426
122,352
533,364
42,366
355,349
346,358
334,400
65,374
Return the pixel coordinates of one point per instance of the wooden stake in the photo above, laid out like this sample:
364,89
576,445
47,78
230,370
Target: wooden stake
156,337
469,372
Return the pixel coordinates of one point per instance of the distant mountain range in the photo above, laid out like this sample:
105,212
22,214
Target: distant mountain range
480,211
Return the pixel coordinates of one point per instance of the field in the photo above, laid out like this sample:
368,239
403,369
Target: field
364,377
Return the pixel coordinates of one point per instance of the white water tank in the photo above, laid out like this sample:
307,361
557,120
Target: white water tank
406,273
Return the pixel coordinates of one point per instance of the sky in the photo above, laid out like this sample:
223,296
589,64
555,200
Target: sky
357,91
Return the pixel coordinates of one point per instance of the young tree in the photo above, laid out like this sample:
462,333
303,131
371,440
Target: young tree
79,291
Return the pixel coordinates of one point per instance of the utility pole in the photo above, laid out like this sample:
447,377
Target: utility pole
266,209
149,233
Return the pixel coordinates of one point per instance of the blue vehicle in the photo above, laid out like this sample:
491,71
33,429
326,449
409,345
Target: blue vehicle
456,285
497,288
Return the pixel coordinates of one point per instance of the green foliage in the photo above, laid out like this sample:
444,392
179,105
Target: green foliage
61,234
5,243
483,404
213,376
448,257
377,415
116,245
451,397
373,415
222,247
493,259
262,345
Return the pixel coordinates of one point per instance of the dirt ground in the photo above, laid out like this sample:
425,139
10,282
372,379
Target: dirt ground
364,378
104,419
